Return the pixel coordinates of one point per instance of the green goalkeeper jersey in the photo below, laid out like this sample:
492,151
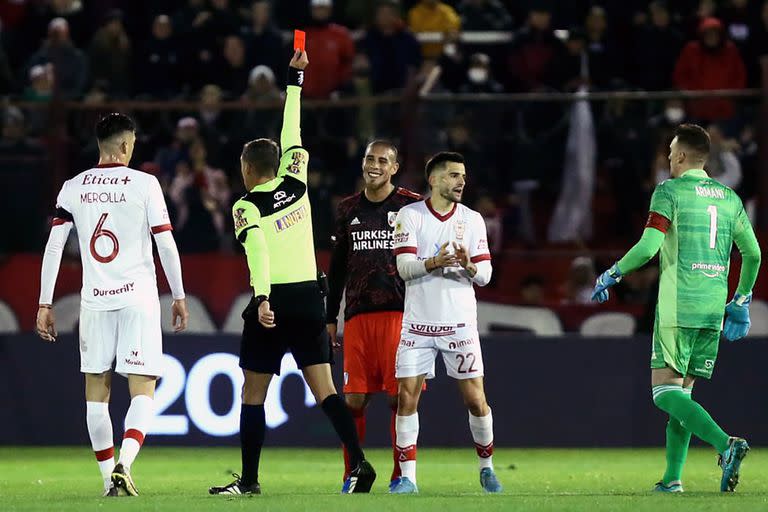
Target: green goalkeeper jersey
705,217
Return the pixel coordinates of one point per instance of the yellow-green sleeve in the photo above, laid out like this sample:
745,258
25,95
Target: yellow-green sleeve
295,159
249,233
290,136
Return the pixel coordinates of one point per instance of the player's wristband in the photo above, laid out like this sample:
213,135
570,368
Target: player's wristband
260,299
45,306
295,76
742,300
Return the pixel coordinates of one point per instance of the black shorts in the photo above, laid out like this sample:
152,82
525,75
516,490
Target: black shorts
299,328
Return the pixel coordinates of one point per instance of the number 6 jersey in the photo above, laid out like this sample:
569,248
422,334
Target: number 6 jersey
115,209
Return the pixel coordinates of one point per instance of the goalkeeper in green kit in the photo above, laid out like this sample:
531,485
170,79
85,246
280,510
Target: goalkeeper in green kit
694,220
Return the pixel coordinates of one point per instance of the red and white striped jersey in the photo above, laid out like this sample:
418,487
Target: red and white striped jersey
444,296
115,210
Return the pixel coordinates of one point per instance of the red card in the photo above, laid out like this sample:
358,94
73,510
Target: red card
299,38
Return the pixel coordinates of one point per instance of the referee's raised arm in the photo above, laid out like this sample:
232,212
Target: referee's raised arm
287,313
290,136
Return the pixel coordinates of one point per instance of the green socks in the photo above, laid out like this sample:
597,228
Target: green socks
692,416
678,439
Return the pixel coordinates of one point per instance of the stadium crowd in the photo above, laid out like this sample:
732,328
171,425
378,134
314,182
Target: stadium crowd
214,51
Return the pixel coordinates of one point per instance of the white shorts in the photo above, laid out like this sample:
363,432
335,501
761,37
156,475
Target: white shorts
419,345
131,335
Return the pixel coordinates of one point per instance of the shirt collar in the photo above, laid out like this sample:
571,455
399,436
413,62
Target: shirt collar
367,201
695,173
267,186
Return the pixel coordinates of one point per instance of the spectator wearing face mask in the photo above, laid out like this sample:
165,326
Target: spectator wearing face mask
452,63
737,18
662,129
479,79
711,62
664,124
674,112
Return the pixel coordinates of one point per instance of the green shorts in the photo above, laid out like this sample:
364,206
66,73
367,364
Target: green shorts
686,350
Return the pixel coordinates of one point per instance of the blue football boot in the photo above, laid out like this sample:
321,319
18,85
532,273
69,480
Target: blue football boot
489,481
730,462
404,486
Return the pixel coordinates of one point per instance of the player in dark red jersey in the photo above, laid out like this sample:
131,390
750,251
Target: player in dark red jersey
363,263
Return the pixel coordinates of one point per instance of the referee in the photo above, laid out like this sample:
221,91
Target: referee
273,221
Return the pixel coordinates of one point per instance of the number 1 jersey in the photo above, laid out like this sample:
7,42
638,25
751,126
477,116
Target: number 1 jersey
703,218
115,209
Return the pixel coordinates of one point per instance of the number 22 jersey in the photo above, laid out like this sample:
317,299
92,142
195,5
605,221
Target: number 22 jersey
115,209
444,296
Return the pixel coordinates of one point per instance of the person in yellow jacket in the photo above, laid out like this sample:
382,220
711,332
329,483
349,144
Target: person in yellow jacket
433,16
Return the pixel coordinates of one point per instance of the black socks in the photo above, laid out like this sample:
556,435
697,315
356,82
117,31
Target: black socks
336,410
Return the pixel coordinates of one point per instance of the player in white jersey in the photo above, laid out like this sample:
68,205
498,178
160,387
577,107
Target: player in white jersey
115,209
442,251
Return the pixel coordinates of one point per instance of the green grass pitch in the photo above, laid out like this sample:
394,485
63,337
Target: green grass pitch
173,479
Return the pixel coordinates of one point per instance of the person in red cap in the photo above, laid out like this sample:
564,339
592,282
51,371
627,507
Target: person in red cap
711,62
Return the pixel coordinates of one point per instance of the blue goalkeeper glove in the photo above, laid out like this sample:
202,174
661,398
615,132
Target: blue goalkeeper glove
737,317
607,279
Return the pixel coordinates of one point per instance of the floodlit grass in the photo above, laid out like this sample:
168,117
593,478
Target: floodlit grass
172,479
